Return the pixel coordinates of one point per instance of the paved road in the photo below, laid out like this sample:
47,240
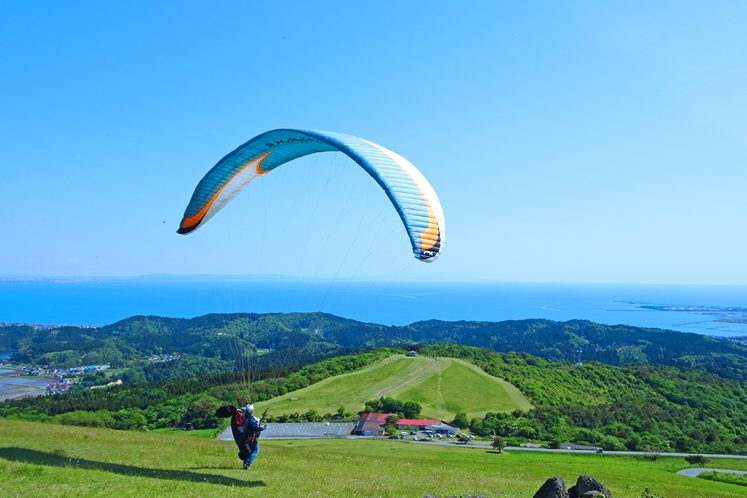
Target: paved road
484,445
633,453
314,430
697,472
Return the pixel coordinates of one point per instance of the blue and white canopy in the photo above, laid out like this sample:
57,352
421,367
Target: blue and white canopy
410,193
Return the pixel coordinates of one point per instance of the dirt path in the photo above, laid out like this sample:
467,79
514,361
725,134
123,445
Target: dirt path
408,379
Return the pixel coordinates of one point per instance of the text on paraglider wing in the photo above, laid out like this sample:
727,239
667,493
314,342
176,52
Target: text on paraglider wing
290,140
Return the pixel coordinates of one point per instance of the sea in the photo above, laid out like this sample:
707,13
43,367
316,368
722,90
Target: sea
710,310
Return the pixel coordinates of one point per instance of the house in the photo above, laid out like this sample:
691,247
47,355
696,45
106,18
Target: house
412,353
371,424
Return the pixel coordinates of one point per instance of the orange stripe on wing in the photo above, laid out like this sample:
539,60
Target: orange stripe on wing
197,218
430,234
260,171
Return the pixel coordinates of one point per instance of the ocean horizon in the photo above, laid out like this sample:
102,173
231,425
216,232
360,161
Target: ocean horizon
710,310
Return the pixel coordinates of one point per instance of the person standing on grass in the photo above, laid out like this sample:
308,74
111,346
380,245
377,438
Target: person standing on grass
251,431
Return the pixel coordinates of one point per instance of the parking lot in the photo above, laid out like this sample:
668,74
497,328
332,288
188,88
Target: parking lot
323,429
420,435
298,431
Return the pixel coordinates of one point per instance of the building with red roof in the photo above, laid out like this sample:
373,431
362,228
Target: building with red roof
436,426
403,423
371,424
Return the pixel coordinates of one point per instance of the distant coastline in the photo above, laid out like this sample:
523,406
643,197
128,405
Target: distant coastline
89,301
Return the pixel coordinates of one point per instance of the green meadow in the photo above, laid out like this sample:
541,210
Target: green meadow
443,388
61,461
452,386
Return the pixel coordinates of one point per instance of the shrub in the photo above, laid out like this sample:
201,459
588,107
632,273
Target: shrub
101,418
699,460
128,420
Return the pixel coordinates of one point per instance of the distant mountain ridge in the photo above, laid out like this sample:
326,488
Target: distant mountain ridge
221,336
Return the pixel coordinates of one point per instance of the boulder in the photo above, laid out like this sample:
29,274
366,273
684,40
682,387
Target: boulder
588,487
553,488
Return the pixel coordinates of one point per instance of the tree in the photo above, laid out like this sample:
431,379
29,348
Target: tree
411,409
374,406
696,460
461,420
498,444
201,412
391,421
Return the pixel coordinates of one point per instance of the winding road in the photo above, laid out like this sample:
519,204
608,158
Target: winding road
697,472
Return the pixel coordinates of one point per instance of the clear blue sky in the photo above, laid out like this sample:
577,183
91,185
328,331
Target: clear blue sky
568,141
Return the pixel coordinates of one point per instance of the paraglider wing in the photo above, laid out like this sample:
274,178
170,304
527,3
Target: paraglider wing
409,191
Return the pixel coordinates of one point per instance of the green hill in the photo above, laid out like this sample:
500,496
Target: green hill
443,388
649,408
223,342
51,460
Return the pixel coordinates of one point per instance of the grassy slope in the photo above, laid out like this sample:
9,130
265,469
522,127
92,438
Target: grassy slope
349,390
52,460
453,386
444,388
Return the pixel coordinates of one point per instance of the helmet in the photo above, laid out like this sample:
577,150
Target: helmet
250,408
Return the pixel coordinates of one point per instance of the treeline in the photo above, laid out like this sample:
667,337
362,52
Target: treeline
403,409
177,401
190,366
638,407
233,340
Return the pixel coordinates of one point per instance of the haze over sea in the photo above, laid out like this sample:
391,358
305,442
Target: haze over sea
104,301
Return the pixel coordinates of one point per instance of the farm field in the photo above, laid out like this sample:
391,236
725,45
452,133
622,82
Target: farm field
443,388
62,461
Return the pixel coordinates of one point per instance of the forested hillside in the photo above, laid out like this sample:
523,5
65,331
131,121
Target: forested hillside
650,408
225,341
168,403
636,407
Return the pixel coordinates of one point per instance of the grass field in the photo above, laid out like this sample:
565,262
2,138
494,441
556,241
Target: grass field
443,388
453,386
63,461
